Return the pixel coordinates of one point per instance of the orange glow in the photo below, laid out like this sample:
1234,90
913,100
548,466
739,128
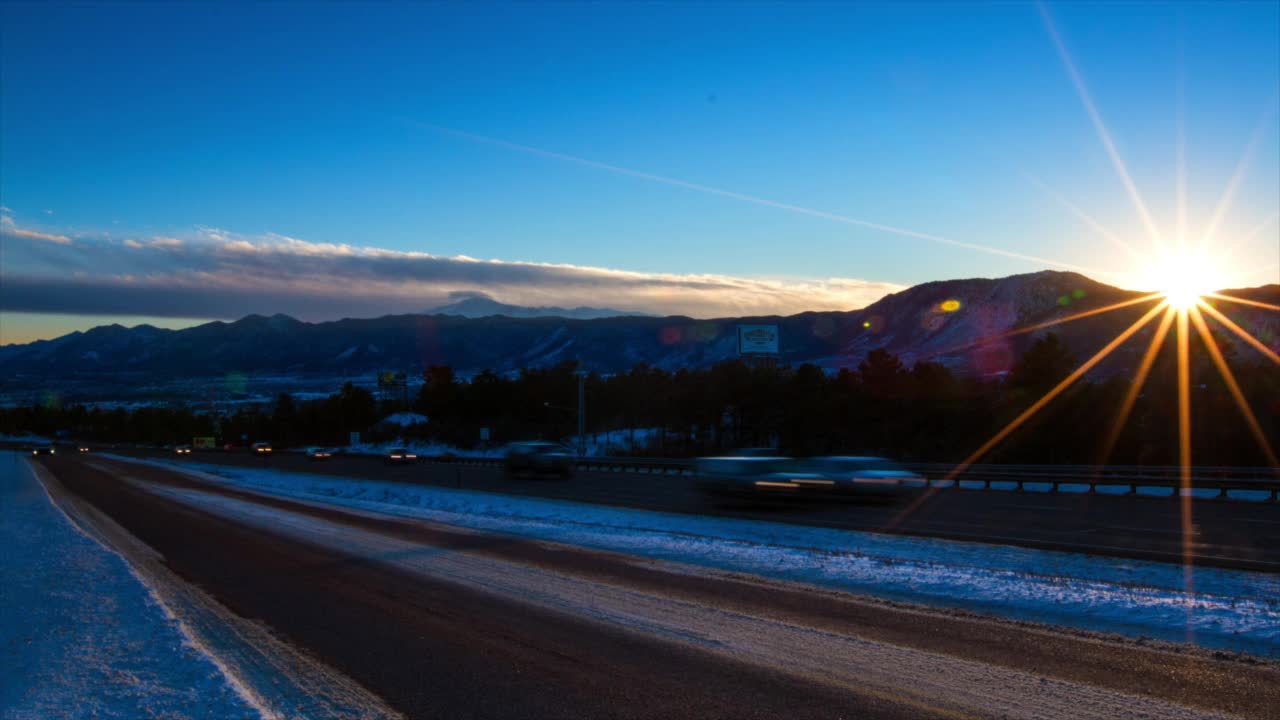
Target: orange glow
1255,342
1035,407
1255,303
1057,390
1140,379
1048,323
1229,378
1184,453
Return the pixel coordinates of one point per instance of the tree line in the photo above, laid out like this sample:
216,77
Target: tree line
921,413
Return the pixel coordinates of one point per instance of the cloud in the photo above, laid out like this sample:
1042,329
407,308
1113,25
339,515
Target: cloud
7,227
216,273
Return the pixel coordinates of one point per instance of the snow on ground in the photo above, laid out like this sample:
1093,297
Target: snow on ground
404,419
80,636
1228,609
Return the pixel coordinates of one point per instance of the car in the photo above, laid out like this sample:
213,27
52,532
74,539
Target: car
44,450
83,448
540,459
318,453
183,450
401,456
262,448
857,476
750,476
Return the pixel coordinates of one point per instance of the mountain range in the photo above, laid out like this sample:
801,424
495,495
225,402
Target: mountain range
479,305
959,323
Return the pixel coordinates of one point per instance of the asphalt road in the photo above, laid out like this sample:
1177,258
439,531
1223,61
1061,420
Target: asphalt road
1232,534
440,622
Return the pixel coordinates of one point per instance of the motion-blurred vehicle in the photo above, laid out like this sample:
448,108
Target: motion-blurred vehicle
318,453
262,448
183,450
83,448
401,456
532,459
749,476
856,476
44,450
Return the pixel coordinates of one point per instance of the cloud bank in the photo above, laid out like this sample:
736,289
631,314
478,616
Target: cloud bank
214,273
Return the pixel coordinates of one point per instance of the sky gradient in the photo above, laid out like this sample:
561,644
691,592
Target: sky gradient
188,160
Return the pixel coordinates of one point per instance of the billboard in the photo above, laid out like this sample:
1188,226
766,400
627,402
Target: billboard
757,339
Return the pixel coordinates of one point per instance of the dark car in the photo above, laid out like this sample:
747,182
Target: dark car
534,459
746,476
182,450
401,456
857,476
318,453
44,450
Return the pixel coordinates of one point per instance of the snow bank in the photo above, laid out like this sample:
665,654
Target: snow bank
81,636
404,419
1227,609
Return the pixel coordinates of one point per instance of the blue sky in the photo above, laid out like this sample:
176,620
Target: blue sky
320,132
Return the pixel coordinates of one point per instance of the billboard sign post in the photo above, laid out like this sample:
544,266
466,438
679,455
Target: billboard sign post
757,339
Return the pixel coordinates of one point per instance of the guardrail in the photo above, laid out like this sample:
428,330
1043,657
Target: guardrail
1014,478
1224,480
1261,482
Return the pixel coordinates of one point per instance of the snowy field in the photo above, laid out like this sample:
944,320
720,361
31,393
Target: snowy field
80,635
1232,610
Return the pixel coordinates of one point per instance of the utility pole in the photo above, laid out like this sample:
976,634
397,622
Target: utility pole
582,413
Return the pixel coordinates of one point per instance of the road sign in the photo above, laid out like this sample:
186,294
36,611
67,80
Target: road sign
757,339
354,439
484,434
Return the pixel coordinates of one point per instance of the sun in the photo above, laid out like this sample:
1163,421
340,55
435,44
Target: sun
1183,277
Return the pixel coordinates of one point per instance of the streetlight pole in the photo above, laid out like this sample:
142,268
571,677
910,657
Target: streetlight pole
582,413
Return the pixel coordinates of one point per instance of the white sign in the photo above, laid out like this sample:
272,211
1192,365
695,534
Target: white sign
757,339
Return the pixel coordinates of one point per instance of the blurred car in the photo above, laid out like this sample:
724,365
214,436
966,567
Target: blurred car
183,450
401,456
857,476
83,448
318,453
230,447
262,448
746,476
525,459
44,450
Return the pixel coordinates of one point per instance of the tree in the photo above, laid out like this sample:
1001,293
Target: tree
1042,366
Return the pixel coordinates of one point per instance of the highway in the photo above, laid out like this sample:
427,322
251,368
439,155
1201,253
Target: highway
441,622
1234,534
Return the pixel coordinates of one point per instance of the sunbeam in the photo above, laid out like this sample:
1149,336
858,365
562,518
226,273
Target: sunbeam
1180,132
1048,323
1087,219
765,202
1184,452
1139,380
1098,125
1241,332
1048,397
1232,386
1243,301
1242,167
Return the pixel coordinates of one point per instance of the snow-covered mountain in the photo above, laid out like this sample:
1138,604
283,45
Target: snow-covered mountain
479,305
958,323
